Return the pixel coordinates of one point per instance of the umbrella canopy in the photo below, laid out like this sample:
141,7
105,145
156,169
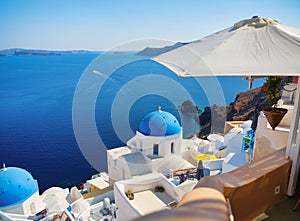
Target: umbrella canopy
256,47
55,203
204,157
81,209
55,199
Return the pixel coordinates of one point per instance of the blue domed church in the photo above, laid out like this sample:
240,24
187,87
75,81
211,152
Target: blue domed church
19,193
156,147
159,134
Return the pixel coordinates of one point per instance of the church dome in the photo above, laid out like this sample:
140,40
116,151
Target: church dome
16,186
159,123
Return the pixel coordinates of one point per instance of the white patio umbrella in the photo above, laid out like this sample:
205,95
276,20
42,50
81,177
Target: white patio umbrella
55,199
55,203
252,47
81,209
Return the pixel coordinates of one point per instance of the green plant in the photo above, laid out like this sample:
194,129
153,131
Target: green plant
129,194
273,87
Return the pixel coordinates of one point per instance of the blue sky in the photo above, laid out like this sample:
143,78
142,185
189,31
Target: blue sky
102,24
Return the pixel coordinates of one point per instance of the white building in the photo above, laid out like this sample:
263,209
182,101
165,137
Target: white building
157,147
150,193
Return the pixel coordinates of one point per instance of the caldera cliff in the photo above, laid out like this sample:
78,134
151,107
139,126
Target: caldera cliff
212,119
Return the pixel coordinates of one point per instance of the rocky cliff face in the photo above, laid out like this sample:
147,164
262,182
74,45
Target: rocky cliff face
213,118
245,103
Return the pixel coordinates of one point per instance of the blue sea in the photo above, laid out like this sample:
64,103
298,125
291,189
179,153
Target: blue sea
38,95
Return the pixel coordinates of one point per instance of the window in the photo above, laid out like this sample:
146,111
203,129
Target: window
141,145
32,208
172,147
155,149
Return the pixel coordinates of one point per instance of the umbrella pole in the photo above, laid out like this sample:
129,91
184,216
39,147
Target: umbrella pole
293,147
250,81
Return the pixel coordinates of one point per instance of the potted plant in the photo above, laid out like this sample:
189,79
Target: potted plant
273,87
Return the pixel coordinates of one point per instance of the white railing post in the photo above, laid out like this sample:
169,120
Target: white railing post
293,147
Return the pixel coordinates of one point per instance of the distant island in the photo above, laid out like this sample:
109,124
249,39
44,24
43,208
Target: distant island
34,52
148,51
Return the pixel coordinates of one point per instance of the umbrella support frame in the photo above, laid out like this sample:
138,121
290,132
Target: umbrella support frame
293,147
